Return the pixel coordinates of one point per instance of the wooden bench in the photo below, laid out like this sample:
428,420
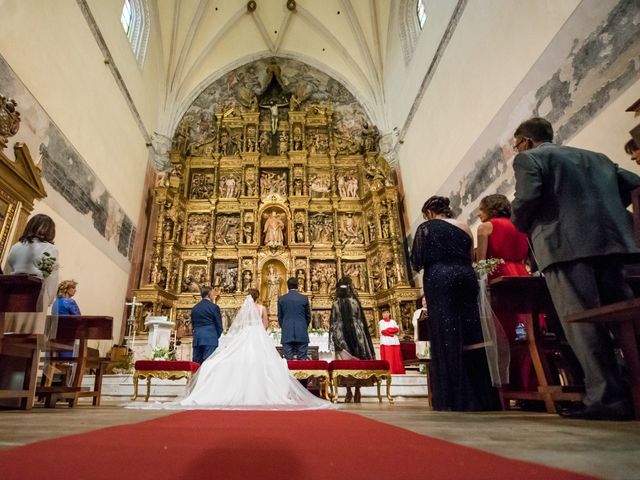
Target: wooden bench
624,319
162,369
318,369
374,370
19,353
67,329
530,297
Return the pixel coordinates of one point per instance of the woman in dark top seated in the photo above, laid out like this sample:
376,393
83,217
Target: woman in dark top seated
459,373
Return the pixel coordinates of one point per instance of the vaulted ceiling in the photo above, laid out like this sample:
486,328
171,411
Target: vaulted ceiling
203,39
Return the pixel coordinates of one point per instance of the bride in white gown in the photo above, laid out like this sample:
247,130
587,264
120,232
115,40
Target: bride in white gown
245,372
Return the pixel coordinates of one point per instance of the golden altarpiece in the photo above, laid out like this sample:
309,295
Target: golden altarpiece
274,190
20,182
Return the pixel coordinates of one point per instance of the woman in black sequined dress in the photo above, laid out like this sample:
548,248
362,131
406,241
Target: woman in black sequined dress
443,249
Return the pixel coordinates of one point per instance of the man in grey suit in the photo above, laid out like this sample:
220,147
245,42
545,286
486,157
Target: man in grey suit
571,203
294,316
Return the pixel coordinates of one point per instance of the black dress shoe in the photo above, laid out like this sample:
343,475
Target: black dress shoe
596,413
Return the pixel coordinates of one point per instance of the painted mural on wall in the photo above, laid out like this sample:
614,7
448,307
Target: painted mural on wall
594,58
308,84
66,172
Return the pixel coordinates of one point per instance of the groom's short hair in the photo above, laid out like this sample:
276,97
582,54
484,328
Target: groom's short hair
204,292
292,283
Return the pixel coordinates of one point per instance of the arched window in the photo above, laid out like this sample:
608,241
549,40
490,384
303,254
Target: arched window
135,21
422,15
412,17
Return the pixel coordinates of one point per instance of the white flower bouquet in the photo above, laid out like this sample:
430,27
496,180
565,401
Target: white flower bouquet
47,264
487,267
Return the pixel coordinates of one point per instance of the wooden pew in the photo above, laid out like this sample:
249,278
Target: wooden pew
624,319
19,352
68,329
530,297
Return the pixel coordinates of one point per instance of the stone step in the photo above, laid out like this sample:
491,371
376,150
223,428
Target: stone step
119,387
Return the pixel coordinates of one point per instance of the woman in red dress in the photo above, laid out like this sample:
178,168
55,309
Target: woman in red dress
499,238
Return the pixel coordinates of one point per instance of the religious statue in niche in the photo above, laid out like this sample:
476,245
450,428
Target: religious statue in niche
274,283
376,278
264,143
323,278
179,230
247,280
384,226
225,142
298,188
238,140
173,277
201,186
273,183
297,138
252,141
320,185
226,277
357,273
350,230
247,232
299,220
373,230
229,186
348,185
227,229
390,274
406,317
321,228
273,228
370,138
198,228
251,188
167,229
299,232
283,143
300,276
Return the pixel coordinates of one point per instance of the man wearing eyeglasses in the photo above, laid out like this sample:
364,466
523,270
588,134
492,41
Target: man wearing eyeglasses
572,204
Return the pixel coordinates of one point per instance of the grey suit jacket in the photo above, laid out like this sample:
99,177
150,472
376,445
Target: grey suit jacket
571,202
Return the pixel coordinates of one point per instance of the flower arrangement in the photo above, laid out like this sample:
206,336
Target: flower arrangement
162,353
316,331
487,267
46,264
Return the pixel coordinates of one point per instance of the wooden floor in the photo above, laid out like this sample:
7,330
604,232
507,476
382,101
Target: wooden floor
606,449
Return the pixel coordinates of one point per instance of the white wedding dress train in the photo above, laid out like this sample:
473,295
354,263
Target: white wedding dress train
245,372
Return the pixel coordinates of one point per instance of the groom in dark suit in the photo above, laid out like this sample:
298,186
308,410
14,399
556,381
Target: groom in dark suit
206,321
294,316
571,203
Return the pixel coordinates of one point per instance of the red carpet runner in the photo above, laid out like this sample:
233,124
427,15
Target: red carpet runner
260,445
